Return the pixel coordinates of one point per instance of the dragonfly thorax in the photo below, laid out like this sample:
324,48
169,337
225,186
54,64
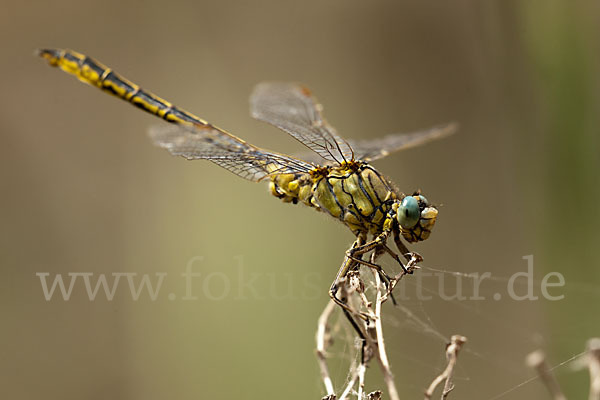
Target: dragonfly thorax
360,198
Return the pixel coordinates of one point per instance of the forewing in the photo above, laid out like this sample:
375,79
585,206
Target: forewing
369,150
292,108
213,144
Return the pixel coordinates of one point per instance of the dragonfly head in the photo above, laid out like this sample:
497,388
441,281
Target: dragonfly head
416,218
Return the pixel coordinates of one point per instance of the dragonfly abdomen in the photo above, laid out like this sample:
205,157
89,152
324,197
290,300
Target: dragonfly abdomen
294,188
94,73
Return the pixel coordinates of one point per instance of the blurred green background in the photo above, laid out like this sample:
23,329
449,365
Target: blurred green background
83,190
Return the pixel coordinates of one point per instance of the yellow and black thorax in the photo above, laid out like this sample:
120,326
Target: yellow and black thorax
354,192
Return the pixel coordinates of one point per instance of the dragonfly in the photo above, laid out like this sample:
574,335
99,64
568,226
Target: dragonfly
336,178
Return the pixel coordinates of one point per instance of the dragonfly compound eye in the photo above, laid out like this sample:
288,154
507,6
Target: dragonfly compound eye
408,212
423,200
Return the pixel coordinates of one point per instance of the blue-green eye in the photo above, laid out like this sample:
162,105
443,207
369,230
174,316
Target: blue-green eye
408,212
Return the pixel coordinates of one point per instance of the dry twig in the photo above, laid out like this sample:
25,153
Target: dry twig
351,382
452,349
382,354
370,330
537,361
593,353
322,344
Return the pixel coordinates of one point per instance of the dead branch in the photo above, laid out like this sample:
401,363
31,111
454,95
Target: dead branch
351,382
593,354
537,361
452,350
382,354
323,342
370,330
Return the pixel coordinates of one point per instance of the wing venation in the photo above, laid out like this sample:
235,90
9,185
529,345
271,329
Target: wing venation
235,155
374,149
292,108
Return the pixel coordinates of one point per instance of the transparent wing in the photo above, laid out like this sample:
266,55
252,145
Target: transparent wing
292,108
369,150
208,142
374,149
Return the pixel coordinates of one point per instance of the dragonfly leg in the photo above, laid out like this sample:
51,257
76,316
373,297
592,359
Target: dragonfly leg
392,253
342,302
348,265
408,255
401,247
365,248
378,242
384,276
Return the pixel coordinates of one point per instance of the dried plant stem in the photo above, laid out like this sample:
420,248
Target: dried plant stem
322,344
351,382
452,350
362,369
593,353
370,330
537,361
382,354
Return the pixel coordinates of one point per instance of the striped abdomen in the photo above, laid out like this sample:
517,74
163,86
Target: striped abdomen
96,74
359,197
